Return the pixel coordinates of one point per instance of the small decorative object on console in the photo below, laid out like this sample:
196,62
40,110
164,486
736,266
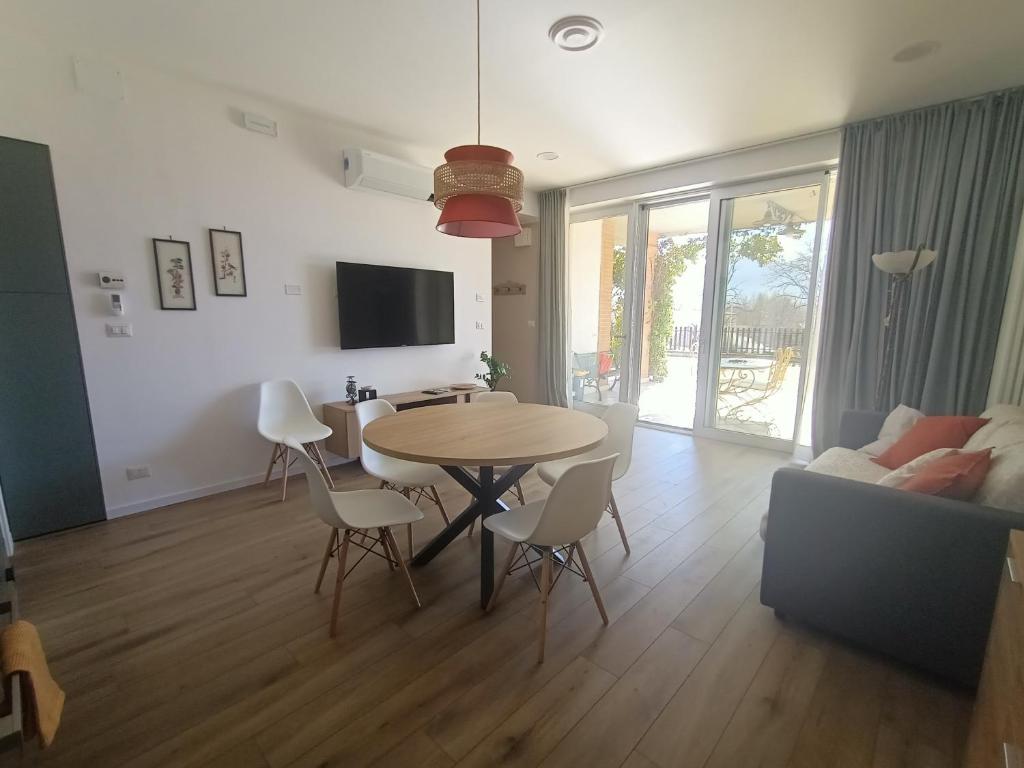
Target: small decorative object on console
367,393
496,371
350,390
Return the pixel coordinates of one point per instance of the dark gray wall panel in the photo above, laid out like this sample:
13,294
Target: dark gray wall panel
31,251
48,469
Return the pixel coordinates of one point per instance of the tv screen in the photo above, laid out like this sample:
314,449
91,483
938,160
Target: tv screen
394,307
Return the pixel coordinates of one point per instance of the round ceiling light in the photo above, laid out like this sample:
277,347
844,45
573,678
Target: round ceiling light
916,51
576,33
547,155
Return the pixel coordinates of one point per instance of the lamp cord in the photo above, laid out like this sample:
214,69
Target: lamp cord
477,71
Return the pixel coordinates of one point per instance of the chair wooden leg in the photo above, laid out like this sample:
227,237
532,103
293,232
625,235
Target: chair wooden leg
323,464
513,548
593,584
545,591
273,461
404,568
519,493
342,555
440,505
618,522
386,546
284,472
327,556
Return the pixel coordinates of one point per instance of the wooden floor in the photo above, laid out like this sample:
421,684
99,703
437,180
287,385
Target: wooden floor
190,635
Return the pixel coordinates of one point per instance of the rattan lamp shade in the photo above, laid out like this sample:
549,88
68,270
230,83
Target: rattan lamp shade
479,192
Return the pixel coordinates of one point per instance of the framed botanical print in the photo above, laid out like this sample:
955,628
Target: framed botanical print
174,274
228,263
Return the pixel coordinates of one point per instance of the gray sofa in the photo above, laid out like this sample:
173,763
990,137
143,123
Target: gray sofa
908,575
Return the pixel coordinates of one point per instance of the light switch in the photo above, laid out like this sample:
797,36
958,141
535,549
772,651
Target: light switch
119,330
479,325
292,290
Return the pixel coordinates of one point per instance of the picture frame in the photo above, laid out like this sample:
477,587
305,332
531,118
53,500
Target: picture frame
228,262
175,284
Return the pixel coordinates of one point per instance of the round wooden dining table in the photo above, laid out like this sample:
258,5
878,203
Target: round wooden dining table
484,435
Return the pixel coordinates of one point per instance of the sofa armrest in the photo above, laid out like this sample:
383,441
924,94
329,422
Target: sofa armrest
858,428
910,575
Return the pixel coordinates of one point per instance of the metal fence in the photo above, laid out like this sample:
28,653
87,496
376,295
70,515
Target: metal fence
753,341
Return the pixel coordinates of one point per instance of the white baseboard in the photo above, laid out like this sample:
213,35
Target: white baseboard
196,493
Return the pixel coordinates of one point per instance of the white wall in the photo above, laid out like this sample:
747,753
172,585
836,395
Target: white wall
514,329
181,395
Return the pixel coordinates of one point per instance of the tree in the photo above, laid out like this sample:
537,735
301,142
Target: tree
792,277
674,254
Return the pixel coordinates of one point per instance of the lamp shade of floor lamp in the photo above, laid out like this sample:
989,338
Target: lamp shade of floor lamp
900,266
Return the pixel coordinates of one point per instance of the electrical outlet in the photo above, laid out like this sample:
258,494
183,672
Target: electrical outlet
479,325
137,473
292,290
119,330
480,298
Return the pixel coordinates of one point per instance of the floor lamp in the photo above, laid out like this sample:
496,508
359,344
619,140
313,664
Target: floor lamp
900,266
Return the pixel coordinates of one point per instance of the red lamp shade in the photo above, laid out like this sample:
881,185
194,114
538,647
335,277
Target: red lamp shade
478,216
479,192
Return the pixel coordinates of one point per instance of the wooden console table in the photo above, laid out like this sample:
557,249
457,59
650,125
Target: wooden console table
341,417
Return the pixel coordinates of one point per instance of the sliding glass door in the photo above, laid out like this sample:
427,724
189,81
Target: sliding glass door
767,254
597,294
701,309
674,262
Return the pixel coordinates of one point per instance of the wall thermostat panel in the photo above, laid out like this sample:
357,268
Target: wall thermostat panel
112,280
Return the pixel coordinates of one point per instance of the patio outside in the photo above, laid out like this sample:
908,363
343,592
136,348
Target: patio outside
770,240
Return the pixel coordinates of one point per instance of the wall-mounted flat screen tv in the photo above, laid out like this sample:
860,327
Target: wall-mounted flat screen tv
382,306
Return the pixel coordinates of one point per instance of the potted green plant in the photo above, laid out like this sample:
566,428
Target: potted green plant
496,371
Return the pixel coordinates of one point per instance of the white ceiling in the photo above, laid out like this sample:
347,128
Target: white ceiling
671,80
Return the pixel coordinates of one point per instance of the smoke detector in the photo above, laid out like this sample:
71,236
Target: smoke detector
576,33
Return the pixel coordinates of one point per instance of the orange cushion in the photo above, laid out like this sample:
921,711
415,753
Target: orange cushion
956,476
930,433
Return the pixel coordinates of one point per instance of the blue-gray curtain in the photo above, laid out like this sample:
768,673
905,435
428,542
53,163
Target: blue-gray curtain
554,297
950,177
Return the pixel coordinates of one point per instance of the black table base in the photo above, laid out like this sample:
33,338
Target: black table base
486,492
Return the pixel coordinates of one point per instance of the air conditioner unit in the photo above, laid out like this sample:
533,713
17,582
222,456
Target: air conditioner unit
380,173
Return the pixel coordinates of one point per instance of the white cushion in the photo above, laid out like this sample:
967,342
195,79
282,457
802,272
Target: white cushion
896,424
898,476
844,462
1000,416
1004,485
1003,413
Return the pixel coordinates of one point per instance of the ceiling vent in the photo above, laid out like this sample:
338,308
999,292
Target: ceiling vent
576,33
379,173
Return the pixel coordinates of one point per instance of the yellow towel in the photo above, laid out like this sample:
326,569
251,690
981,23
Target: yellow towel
42,700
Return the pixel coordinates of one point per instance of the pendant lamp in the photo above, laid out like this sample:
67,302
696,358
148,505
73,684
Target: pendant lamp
478,190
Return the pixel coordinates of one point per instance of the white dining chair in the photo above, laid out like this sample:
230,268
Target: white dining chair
501,398
406,477
571,511
621,421
285,415
361,519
